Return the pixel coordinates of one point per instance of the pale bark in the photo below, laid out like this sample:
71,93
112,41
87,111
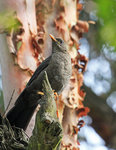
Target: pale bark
9,71
17,65
59,18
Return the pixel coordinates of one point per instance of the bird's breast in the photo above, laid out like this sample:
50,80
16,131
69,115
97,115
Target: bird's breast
61,71
62,65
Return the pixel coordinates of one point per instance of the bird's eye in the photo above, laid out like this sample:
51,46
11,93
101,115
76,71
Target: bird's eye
60,41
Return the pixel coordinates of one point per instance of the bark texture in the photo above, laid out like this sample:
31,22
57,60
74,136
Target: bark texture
47,132
31,44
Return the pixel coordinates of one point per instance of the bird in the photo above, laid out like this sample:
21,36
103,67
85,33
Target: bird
59,70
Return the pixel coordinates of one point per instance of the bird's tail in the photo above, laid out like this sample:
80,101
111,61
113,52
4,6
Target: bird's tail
21,114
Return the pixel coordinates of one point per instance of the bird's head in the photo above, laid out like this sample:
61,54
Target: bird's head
58,44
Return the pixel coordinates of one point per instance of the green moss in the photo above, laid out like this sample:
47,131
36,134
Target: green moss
47,132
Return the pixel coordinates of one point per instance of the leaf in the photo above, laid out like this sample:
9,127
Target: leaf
8,21
19,45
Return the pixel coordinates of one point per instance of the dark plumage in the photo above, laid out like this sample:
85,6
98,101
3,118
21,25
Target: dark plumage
58,68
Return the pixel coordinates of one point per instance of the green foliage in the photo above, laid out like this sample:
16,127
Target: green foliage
19,43
107,16
8,21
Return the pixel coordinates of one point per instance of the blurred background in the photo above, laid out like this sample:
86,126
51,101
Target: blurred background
99,45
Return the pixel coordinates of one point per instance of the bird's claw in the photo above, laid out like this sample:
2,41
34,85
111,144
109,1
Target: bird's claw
40,93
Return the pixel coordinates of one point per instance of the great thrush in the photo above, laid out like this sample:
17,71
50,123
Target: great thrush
59,70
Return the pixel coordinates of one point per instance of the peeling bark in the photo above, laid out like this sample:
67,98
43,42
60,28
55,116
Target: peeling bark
60,18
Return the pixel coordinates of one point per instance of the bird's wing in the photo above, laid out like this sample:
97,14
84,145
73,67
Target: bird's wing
41,67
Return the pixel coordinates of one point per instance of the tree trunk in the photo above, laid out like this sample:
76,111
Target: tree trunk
27,48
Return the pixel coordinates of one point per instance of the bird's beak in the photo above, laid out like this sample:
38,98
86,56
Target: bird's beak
52,37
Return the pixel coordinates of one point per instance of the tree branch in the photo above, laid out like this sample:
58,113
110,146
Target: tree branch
47,132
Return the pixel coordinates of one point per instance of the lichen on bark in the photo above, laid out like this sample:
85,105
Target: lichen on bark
47,132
